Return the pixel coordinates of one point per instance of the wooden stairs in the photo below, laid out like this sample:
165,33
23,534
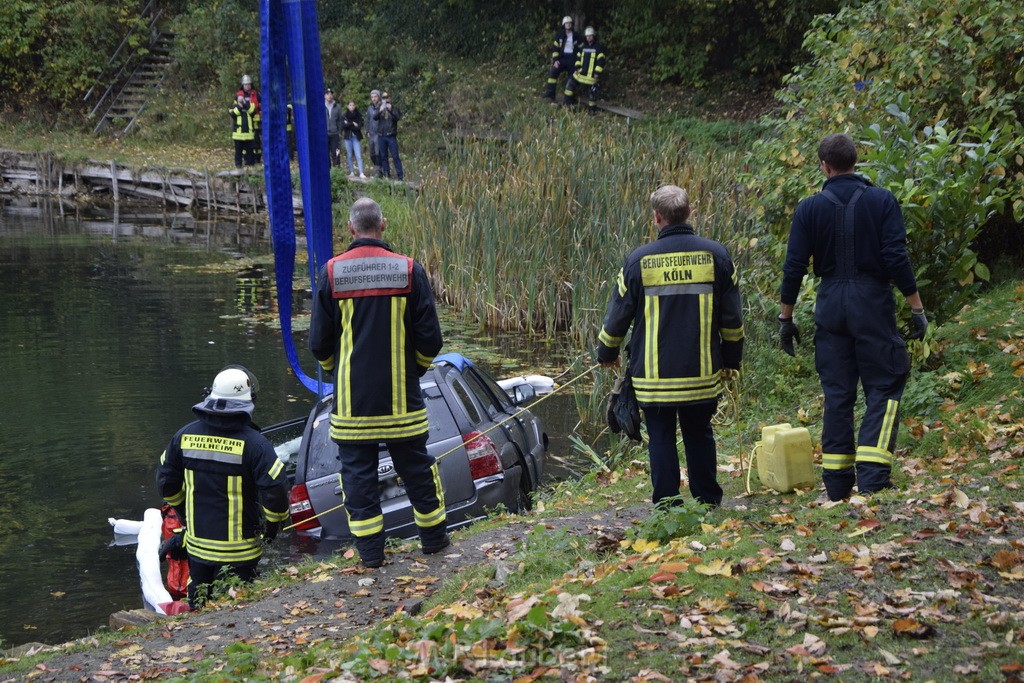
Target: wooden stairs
141,73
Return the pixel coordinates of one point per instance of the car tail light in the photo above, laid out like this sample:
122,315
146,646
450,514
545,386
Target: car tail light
301,509
483,455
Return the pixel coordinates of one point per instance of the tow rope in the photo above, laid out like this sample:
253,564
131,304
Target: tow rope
465,443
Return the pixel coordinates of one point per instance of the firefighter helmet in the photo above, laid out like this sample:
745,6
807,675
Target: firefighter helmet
246,80
234,382
566,20
589,32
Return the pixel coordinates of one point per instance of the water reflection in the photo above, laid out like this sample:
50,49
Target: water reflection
112,323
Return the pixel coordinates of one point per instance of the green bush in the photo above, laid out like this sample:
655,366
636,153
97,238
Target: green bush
51,51
931,90
689,41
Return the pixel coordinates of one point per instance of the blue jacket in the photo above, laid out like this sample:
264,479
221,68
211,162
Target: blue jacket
880,246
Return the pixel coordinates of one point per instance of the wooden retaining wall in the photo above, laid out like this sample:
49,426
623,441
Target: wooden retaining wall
45,173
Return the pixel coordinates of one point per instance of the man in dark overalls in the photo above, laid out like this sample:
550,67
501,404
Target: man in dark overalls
854,233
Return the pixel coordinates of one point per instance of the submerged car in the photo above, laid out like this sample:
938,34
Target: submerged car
490,452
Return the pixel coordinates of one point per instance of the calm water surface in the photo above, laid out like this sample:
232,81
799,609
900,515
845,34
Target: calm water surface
111,325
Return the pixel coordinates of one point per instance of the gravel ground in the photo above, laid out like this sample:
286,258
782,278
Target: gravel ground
333,604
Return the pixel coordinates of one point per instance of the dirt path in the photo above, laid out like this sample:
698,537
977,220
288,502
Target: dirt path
332,604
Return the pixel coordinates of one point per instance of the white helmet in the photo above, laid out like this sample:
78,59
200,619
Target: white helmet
233,382
589,32
246,80
566,20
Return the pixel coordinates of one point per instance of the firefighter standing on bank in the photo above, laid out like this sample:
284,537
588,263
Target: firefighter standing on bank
588,68
854,233
564,52
242,131
375,330
679,293
225,481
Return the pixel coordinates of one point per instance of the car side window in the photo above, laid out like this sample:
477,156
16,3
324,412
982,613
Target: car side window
468,405
322,460
496,390
487,400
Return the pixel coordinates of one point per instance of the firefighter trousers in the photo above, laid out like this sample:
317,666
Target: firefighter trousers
699,444
359,482
856,340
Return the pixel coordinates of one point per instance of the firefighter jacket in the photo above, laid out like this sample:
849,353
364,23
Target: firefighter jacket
374,328
589,63
253,95
879,244
224,479
680,295
559,50
242,123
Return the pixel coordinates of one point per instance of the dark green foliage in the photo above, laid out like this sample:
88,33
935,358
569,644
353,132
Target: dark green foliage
52,50
216,42
674,517
931,91
688,42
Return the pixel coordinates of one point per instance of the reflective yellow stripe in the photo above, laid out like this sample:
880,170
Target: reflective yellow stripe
608,340
177,499
836,461
869,454
366,527
731,334
705,333
190,501
432,519
343,421
163,457
328,365
275,516
234,508
397,355
423,361
343,389
379,433
620,282
681,396
276,468
675,382
651,312
888,424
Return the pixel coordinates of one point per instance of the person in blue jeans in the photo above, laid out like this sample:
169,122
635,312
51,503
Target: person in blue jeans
352,129
387,117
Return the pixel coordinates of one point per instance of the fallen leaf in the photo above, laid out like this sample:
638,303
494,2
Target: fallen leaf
912,628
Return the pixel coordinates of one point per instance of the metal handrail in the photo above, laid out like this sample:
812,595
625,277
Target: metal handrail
146,11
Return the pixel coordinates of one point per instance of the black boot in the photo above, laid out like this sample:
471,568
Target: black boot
872,477
434,539
839,483
371,550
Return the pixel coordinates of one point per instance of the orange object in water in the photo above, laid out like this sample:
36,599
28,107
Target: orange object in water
177,570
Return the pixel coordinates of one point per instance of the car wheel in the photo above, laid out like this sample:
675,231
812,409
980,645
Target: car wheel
524,501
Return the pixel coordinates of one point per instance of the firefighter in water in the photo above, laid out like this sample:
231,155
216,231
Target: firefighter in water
589,65
374,330
226,483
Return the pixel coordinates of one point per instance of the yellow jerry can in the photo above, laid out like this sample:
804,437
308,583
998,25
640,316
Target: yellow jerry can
784,460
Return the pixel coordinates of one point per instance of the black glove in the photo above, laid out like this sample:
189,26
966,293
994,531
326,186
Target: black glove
174,546
918,323
787,334
270,531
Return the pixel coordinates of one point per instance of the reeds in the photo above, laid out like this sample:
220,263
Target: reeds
529,234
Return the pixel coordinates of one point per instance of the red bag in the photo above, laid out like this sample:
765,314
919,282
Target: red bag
177,570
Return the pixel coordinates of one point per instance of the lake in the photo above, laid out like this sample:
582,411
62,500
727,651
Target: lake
112,324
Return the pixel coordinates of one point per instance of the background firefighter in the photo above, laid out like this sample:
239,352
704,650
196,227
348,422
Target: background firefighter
588,68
